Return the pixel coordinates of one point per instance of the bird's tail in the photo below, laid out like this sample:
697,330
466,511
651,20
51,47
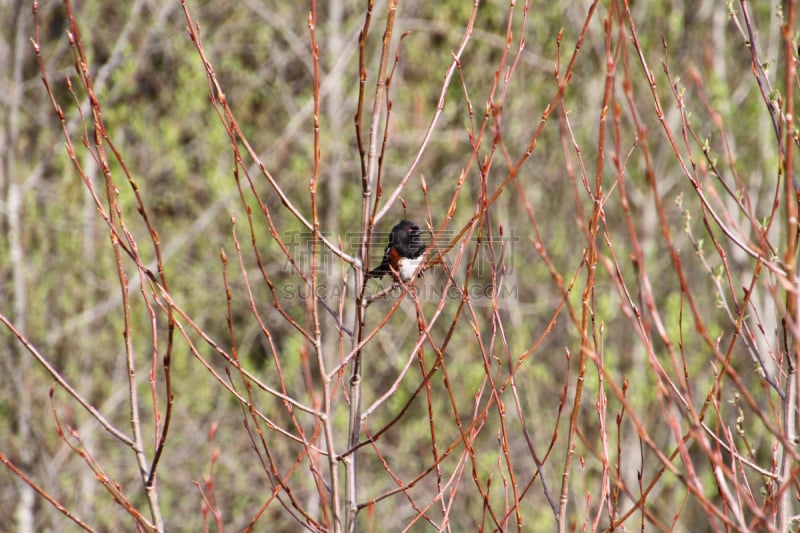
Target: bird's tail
378,272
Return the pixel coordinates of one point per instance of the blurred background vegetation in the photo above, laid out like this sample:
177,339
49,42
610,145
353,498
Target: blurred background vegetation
59,286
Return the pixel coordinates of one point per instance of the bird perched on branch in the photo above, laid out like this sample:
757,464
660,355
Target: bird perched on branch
403,254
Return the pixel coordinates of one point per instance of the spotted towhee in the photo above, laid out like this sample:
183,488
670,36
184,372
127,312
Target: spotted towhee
403,254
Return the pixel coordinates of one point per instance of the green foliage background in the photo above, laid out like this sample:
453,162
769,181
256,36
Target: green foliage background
156,103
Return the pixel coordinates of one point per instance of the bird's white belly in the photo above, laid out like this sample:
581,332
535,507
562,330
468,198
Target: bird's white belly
408,267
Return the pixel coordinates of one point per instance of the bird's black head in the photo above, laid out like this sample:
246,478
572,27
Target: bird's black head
407,238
